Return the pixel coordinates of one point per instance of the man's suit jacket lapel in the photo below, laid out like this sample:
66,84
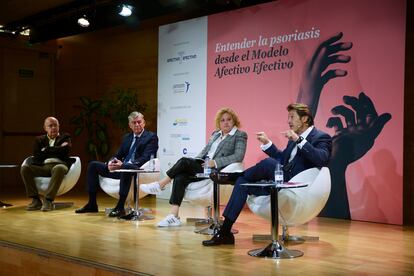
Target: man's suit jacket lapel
142,140
144,137
287,152
310,136
291,146
58,141
127,144
44,141
130,139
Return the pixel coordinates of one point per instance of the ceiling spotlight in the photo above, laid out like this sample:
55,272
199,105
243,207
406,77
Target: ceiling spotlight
125,10
83,21
25,32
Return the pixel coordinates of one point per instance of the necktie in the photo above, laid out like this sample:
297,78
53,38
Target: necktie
132,149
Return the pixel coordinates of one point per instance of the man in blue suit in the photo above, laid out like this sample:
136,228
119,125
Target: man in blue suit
136,149
307,148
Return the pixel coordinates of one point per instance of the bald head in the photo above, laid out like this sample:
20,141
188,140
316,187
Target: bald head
51,126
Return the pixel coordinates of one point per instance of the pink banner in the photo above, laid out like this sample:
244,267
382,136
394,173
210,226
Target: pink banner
344,59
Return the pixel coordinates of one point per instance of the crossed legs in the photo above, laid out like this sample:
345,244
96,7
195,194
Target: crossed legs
183,172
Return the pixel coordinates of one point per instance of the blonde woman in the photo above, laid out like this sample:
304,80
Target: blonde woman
226,145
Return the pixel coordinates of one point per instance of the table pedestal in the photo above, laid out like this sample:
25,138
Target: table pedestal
213,228
276,249
137,214
3,204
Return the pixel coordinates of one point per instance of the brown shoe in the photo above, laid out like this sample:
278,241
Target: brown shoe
47,206
36,204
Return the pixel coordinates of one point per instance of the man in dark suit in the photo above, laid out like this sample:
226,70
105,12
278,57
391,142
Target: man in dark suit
50,159
136,149
307,148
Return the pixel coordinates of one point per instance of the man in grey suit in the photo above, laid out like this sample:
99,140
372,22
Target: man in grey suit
226,145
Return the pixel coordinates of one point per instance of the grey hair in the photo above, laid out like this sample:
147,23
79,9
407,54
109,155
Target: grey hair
134,114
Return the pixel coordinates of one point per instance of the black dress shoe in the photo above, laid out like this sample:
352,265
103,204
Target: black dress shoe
220,238
117,213
87,209
129,216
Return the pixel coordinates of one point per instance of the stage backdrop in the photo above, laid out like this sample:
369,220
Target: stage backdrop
346,60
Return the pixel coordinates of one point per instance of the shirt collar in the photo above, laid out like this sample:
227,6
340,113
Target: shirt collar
52,138
232,131
140,134
307,131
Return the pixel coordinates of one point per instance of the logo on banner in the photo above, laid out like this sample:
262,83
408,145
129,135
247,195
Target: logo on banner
180,122
180,107
181,57
167,152
181,87
185,137
180,136
186,151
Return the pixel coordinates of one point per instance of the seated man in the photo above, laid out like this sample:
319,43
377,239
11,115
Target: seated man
50,159
136,149
307,147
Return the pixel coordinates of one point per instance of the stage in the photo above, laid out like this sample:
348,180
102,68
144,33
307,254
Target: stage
64,243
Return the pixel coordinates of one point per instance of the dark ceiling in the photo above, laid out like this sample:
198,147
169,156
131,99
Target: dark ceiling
51,19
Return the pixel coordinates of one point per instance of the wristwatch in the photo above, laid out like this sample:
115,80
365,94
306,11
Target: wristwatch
300,139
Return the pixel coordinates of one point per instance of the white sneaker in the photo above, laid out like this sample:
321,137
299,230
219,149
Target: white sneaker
151,188
169,220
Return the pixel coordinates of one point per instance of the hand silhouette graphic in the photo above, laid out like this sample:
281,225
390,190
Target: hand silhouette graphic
363,125
350,143
315,75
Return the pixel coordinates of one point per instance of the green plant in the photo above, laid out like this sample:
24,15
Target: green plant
120,103
96,116
91,118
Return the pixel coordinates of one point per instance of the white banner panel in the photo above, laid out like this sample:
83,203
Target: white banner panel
182,66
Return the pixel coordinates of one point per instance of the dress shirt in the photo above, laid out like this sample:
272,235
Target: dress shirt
295,149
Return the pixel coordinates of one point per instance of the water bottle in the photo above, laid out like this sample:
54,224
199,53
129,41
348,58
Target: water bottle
151,164
278,173
207,169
